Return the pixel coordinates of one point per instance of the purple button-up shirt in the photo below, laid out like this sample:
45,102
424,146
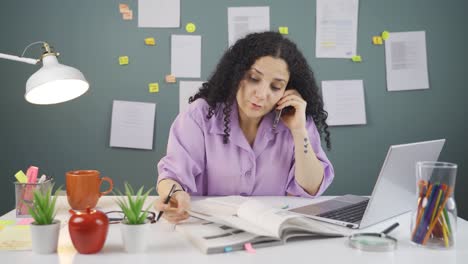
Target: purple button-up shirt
198,160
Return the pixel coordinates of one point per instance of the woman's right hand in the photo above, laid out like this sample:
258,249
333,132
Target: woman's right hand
177,208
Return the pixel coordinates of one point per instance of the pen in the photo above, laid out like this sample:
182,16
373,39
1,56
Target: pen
390,228
166,201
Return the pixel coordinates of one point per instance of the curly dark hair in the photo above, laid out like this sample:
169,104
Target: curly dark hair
221,88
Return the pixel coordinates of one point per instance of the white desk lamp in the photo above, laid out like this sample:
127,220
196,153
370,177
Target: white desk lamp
54,82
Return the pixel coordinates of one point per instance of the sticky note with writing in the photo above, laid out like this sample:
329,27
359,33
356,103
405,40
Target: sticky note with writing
377,40
153,87
150,41
123,8
123,60
170,78
127,15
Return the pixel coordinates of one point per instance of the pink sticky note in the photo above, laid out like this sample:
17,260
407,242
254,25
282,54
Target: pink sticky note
127,15
123,8
248,247
25,221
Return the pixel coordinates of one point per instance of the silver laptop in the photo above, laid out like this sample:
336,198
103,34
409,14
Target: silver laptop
393,194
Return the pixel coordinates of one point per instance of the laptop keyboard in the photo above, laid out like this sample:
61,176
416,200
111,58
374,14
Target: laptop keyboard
350,214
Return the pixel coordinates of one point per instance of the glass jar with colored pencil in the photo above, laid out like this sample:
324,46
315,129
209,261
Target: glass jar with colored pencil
434,218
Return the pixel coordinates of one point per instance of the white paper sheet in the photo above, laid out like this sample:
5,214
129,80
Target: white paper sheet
336,28
159,13
186,56
132,124
344,102
245,20
187,89
406,61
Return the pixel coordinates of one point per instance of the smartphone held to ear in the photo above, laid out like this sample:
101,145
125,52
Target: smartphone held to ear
278,114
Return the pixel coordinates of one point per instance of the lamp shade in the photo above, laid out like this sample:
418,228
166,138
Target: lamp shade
54,83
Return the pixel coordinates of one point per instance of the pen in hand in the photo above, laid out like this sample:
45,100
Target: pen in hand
168,198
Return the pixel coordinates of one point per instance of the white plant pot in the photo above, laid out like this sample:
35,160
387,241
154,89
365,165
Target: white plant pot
45,237
135,237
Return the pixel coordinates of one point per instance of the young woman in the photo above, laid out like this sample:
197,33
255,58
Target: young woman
226,142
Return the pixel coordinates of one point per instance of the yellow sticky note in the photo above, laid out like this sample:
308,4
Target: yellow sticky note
385,35
170,78
127,15
150,41
21,177
4,223
14,238
123,8
153,87
190,27
377,40
7,222
356,58
123,60
283,30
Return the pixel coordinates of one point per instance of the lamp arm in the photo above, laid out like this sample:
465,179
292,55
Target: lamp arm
27,60
16,58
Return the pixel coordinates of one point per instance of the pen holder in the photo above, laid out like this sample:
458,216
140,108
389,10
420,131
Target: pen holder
24,196
434,217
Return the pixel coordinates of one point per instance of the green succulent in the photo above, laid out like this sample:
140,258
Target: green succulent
42,209
131,204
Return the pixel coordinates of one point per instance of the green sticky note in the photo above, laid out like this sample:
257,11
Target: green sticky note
385,35
283,30
356,58
21,177
190,27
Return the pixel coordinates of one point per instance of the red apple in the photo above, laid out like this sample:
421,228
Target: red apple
88,230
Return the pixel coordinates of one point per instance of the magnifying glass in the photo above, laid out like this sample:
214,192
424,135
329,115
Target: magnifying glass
376,242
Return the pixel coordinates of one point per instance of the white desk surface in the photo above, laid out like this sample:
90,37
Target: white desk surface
168,246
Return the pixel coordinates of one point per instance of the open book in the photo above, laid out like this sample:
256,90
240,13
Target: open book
225,224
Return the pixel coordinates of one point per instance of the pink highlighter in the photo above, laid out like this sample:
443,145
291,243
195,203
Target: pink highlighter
31,173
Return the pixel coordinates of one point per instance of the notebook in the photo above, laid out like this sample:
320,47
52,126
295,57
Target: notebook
393,194
224,224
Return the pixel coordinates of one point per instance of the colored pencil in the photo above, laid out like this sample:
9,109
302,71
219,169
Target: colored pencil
420,213
426,237
427,214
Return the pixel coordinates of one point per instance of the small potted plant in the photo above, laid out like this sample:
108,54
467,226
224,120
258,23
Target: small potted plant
135,225
45,228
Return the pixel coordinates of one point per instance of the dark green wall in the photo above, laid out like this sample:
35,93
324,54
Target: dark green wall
91,35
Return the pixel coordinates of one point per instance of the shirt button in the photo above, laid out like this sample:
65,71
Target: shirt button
248,173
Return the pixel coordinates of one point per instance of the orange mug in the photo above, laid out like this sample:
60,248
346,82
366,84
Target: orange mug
83,188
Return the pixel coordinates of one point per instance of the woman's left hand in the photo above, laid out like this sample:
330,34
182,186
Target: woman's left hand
296,118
